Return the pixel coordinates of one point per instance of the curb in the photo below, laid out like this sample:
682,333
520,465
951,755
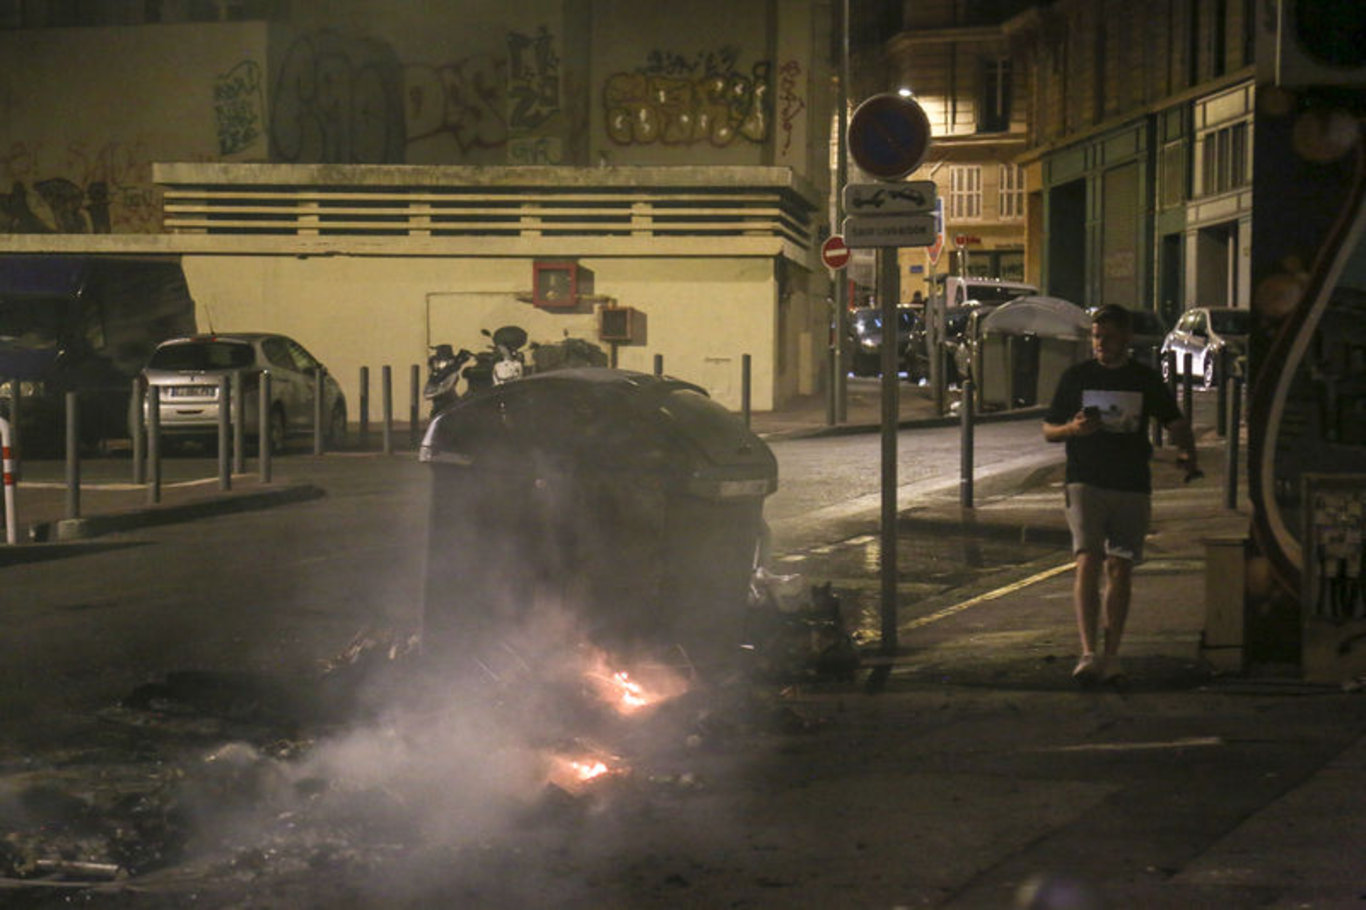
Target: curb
851,429
96,525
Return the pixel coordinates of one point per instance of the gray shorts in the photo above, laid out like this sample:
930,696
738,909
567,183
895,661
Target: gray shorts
1110,521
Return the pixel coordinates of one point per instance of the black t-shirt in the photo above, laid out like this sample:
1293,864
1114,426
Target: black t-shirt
1115,458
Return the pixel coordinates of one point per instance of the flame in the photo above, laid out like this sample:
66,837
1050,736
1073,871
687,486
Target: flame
627,693
574,773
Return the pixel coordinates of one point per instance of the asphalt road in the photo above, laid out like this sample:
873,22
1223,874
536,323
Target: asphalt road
982,770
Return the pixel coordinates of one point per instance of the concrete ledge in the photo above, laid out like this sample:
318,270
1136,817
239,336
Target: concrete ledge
952,420
151,516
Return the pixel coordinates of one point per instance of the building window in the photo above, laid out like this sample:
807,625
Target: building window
1010,205
1173,174
1224,159
993,105
965,192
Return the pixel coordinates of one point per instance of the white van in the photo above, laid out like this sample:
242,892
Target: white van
957,290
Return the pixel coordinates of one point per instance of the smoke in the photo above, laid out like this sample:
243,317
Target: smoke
456,774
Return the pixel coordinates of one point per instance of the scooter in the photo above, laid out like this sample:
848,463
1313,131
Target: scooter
443,372
502,362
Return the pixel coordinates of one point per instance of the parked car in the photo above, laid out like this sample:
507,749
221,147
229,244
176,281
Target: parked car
187,371
863,343
955,325
958,290
1149,332
1203,332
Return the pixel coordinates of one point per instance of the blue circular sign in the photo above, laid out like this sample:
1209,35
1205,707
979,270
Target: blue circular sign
888,136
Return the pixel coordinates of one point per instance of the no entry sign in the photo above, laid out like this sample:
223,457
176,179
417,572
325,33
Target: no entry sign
835,252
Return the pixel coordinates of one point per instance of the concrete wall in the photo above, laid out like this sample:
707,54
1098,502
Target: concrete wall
702,315
85,112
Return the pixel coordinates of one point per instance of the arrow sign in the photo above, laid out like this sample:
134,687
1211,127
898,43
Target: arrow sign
914,198
877,231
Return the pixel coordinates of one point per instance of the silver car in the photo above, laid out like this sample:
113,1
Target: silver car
1203,332
187,371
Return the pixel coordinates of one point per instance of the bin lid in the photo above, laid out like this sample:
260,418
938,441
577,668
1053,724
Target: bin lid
605,421
1048,317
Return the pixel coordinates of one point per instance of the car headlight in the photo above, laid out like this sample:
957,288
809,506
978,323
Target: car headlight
28,388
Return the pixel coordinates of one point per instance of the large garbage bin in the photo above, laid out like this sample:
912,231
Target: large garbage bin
632,503
1022,348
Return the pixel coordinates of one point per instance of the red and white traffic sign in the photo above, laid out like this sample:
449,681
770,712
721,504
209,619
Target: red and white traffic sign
835,252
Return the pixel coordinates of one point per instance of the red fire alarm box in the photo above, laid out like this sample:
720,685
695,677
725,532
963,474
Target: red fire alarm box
559,285
616,323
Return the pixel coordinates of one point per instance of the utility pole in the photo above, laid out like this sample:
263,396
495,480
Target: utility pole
839,385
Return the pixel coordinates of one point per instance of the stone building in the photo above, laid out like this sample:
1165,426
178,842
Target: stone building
374,177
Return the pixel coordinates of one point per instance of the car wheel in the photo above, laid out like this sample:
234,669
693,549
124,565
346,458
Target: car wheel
1209,369
336,427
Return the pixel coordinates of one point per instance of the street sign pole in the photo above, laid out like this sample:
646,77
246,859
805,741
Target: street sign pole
888,137
889,290
839,382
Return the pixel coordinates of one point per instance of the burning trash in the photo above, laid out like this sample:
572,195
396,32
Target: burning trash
630,691
797,630
575,772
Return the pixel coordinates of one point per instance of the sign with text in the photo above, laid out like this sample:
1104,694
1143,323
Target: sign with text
862,231
914,198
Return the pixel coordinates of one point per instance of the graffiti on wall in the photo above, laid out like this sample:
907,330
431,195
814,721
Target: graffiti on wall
533,80
338,100
461,100
81,190
237,107
791,103
680,100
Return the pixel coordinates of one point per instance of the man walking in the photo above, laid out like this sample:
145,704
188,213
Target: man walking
1101,411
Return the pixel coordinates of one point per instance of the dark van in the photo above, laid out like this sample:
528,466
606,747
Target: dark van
82,324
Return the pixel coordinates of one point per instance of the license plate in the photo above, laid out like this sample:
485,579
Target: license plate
192,391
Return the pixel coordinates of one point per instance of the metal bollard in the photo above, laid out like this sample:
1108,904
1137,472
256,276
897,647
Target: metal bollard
317,410
263,452
364,408
1221,402
833,392
7,469
659,364
387,402
224,432
138,427
239,429
153,444
73,456
965,414
1187,390
414,408
1235,396
744,386
16,415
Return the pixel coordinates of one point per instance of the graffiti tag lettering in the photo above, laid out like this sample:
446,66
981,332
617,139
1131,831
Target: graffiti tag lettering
533,80
237,107
675,100
338,101
790,102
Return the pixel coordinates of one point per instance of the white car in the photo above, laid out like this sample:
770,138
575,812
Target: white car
187,372
1204,332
